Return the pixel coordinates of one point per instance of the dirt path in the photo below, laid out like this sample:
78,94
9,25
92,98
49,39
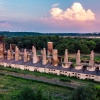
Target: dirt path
41,79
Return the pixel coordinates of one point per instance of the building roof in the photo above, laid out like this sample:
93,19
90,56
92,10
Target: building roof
50,66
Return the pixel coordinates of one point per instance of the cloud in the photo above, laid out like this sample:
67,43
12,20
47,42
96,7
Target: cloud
55,5
76,12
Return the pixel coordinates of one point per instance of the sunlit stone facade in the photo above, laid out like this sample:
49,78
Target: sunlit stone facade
30,60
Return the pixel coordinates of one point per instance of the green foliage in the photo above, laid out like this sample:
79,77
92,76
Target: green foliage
15,87
25,94
28,93
98,93
12,87
39,94
60,43
65,80
84,93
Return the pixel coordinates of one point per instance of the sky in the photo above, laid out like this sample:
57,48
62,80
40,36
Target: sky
56,16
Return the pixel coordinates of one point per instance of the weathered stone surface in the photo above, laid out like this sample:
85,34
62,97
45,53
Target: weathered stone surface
78,61
9,55
78,58
66,56
50,48
12,47
66,64
44,58
35,58
55,57
1,46
91,66
92,72
91,61
1,50
17,53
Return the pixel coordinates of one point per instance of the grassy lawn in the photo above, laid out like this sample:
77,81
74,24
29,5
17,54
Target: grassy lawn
9,85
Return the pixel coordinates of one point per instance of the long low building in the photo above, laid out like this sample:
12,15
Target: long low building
49,68
51,62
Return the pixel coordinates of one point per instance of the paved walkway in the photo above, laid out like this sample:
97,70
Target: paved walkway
41,79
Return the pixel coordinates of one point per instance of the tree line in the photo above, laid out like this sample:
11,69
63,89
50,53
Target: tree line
60,43
10,34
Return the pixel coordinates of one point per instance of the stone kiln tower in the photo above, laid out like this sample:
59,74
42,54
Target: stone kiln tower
12,47
91,62
91,66
78,58
44,59
16,53
2,47
66,56
78,61
9,56
50,48
55,57
35,58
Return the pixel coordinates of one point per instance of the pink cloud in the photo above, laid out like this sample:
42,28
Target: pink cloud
71,26
76,12
73,19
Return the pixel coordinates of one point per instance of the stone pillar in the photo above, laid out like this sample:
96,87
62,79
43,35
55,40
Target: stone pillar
9,56
55,57
91,62
28,57
1,50
44,58
91,66
66,56
66,64
35,58
16,53
50,48
78,61
25,56
78,58
10,47
32,49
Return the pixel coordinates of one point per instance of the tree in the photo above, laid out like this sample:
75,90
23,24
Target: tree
84,93
25,94
91,44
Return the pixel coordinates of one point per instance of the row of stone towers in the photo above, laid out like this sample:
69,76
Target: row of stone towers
51,56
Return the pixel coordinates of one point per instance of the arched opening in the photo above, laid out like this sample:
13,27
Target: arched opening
84,67
97,69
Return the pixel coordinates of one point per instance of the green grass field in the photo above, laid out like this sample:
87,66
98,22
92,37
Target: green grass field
9,85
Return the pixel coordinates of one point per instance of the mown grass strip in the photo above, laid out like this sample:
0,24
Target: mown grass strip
47,83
